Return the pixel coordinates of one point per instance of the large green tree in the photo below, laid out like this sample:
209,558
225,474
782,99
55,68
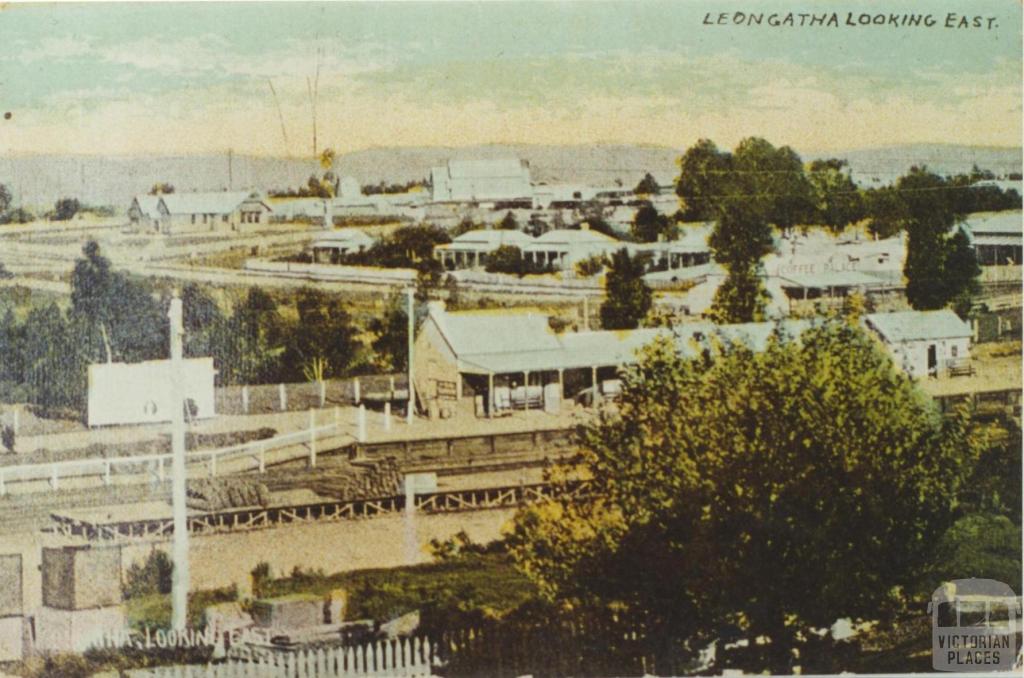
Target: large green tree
628,298
701,169
929,212
772,492
838,201
322,343
746,193
121,318
649,225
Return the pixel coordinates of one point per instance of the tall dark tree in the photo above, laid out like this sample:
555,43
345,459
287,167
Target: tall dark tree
649,225
628,298
647,186
122,319
5,199
322,344
884,211
741,297
66,208
929,213
247,347
838,201
961,272
202,318
390,331
701,170
508,222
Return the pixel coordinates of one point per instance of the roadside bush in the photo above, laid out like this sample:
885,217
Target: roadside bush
152,576
591,266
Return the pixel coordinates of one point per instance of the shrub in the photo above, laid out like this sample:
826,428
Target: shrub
152,576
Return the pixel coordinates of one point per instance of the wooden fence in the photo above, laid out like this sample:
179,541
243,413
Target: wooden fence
408,657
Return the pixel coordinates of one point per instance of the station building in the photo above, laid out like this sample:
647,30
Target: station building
517,361
174,213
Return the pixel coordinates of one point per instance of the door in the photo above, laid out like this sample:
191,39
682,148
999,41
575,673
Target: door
932,360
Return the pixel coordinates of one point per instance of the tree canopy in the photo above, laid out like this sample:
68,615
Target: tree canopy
628,298
647,186
769,493
649,225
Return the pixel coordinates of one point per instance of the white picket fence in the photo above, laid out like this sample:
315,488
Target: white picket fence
158,466
405,658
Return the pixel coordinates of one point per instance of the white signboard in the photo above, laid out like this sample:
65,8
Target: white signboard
140,393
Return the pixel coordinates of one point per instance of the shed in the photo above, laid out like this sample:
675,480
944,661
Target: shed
924,343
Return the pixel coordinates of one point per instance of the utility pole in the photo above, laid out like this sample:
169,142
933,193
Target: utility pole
231,169
180,575
412,328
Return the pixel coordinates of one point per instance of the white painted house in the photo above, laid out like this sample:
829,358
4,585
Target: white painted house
564,248
924,343
145,213
212,211
470,250
330,246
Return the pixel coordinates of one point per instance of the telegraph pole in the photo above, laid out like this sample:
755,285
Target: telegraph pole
180,575
412,328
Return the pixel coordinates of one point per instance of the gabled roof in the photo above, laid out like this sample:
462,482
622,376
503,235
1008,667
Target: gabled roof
502,342
996,223
493,238
568,236
342,236
214,202
830,279
496,332
149,205
918,325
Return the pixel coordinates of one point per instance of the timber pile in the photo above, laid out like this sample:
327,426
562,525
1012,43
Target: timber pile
217,494
362,480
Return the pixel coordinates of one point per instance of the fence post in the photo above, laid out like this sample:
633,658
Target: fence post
213,464
17,421
282,396
387,415
356,396
361,424
312,438
263,457
53,477
245,398
106,473
160,468
391,388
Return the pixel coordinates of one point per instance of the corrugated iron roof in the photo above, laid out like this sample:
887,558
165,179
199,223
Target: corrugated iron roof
918,325
996,223
222,202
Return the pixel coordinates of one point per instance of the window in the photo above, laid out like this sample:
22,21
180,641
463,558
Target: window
193,218
952,350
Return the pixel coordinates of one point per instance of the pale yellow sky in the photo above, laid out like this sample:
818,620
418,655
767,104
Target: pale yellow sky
131,79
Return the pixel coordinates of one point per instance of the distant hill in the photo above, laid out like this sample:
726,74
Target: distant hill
41,180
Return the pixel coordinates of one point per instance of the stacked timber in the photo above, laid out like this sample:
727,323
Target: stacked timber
217,494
